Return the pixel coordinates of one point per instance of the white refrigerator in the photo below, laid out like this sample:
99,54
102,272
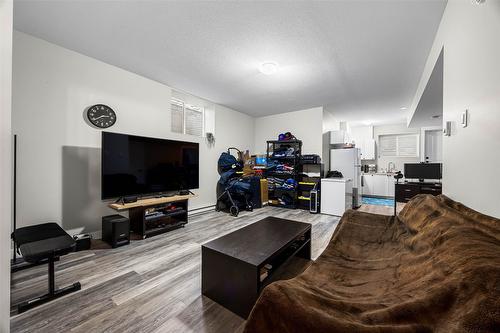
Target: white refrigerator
348,161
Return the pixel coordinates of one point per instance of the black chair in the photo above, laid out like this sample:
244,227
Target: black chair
44,243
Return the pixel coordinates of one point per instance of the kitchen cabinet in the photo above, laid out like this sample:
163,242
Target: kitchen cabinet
338,137
378,185
390,183
374,184
368,149
362,136
368,181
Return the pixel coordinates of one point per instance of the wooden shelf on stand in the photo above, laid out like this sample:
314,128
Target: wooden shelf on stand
150,202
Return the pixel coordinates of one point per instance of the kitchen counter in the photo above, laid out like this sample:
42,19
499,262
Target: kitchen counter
380,173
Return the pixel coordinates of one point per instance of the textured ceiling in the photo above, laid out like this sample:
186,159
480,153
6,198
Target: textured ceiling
362,58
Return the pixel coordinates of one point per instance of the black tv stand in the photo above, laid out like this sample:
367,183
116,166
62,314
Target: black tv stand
438,184
407,190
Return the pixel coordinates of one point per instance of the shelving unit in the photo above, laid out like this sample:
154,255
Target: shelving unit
307,183
153,216
300,246
288,159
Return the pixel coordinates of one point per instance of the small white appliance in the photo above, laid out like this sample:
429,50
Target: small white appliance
348,161
336,195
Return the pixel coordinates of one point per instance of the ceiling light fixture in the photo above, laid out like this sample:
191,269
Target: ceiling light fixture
403,108
268,67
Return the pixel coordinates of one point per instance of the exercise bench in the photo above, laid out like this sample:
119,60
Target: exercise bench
44,243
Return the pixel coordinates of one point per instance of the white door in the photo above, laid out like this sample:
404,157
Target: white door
433,149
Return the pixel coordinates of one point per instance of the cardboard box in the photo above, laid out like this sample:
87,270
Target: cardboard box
264,195
247,164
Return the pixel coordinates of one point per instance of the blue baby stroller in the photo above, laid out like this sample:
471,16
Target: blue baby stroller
233,191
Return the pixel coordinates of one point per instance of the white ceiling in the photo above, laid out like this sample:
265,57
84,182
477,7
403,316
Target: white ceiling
362,58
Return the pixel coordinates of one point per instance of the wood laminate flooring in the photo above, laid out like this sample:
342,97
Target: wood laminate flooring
381,210
151,285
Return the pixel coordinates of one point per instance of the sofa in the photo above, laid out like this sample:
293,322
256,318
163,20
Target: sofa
433,268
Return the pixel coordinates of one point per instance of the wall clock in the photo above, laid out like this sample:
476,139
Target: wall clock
101,116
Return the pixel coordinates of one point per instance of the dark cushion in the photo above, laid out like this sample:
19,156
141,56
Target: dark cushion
43,241
37,232
50,247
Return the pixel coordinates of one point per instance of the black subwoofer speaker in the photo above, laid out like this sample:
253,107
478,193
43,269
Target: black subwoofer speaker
116,230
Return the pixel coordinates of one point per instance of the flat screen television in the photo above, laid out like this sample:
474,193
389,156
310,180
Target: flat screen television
137,165
423,171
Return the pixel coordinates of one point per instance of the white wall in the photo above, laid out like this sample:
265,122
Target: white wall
471,156
5,160
59,154
306,125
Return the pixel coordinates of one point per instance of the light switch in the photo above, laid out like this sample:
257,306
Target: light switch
465,118
447,128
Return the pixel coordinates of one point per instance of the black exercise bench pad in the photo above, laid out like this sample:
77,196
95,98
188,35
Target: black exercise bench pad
42,241
50,247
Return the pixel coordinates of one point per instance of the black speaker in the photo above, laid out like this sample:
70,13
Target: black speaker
116,230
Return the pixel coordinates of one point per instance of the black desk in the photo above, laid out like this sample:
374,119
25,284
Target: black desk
231,265
405,191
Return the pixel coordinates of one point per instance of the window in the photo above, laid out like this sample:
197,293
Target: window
177,117
399,145
187,119
193,118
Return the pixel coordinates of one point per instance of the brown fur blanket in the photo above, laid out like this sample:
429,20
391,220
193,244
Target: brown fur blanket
435,268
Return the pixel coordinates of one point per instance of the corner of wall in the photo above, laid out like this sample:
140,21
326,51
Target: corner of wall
6,26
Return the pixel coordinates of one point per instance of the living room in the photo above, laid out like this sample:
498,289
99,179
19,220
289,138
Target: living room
157,154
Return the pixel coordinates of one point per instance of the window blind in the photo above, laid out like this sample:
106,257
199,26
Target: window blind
399,145
177,116
194,120
408,145
388,145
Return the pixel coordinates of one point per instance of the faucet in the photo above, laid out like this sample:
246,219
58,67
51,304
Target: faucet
391,167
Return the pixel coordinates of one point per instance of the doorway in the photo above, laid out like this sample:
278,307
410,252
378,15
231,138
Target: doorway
433,146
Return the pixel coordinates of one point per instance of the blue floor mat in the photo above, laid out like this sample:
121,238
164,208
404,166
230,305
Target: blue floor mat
378,201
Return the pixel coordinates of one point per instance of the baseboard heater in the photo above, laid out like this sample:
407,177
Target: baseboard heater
201,210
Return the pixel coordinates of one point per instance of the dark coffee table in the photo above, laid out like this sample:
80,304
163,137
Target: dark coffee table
236,267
